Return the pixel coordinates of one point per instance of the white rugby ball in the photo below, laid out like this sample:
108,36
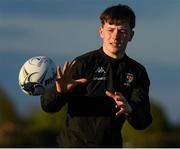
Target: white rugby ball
37,75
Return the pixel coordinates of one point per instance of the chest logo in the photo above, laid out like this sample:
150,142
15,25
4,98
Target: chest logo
99,74
129,77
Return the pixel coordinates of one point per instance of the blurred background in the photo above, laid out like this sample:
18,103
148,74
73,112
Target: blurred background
64,29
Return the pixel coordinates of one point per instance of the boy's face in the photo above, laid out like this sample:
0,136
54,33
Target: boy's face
115,38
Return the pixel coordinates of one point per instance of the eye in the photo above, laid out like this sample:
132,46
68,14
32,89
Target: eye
110,30
123,32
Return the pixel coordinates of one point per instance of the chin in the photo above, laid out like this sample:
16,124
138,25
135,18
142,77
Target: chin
115,50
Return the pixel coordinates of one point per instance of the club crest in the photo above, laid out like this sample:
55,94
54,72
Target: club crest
129,77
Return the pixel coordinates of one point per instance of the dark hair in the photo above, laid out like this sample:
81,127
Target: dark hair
117,14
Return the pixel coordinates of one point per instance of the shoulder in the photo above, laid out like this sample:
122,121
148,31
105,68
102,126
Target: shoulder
86,62
89,56
135,64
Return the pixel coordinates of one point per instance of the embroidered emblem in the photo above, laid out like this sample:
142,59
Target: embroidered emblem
100,70
128,79
99,74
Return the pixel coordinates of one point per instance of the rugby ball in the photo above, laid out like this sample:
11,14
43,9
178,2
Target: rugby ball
37,75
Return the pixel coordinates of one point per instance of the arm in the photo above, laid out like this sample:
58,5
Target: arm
137,107
140,117
53,100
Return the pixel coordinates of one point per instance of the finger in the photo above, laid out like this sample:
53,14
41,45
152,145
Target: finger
73,66
119,104
59,73
76,82
113,96
70,86
82,80
120,112
122,98
118,93
58,88
65,67
110,94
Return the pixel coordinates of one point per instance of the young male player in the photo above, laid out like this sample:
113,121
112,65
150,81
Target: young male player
103,88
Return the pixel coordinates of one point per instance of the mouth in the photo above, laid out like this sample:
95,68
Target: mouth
115,44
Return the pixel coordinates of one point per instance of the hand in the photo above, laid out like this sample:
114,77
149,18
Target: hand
121,103
64,80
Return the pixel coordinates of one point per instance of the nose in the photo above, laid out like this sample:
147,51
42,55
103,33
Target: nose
116,34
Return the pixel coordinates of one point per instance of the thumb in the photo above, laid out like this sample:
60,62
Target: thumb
109,93
76,82
112,95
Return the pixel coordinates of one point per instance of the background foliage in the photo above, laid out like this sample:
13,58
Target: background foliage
41,129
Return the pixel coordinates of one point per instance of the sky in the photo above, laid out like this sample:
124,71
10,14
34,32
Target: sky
64,29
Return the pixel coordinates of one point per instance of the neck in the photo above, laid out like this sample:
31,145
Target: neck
118,55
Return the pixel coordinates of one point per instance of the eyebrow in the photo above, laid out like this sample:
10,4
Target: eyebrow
121,28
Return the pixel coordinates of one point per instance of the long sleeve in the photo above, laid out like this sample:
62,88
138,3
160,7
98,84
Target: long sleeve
78,104
140,118
52,101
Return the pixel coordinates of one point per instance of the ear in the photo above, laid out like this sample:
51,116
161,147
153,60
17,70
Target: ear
131,35
101,31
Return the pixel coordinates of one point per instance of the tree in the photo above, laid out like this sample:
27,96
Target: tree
160,134
7,110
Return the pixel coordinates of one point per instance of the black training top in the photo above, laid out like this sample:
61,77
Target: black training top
91,119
